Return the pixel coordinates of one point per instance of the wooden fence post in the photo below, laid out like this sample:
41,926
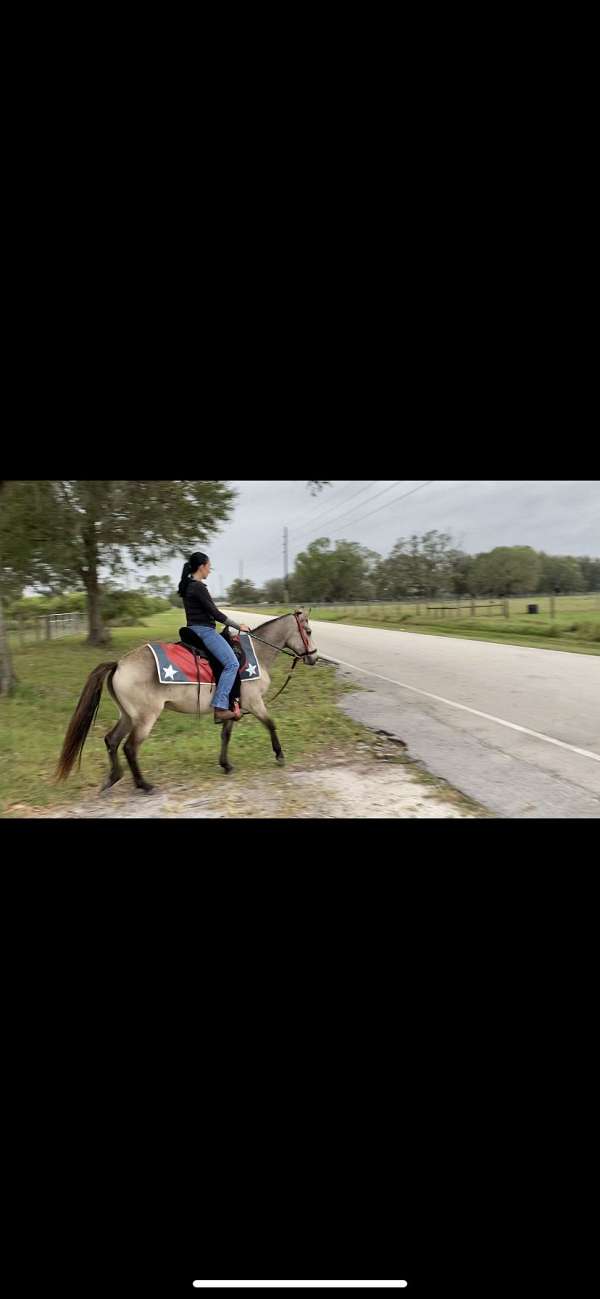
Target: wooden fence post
552,607
506,609
48,632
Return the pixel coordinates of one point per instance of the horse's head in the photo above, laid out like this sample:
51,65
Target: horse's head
300,637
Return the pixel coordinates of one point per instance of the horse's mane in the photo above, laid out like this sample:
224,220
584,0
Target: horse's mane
270,620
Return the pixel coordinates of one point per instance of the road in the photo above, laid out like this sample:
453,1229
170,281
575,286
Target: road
518,729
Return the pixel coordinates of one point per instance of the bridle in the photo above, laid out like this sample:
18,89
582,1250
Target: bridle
292,653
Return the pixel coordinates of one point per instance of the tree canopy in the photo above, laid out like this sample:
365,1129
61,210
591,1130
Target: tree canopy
79,527
243,592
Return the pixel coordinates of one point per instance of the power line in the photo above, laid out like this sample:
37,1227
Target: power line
346,518
347,483
326,511
326,521
392,502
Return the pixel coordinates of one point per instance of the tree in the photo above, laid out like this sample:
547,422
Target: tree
243,592
460,568
418,566
274,590
506,570
394,575
158,585
344,573
90,526
590,571
560,573
434,563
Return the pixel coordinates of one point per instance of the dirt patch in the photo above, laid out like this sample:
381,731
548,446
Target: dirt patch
377,782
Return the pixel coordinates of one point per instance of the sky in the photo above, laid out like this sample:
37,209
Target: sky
559,516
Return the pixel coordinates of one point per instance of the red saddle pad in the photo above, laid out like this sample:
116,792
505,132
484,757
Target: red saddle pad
178,666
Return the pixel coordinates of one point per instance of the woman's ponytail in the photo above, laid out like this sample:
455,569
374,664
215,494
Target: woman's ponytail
185,577
191,565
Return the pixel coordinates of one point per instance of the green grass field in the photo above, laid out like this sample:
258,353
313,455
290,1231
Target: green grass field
575,626
51,675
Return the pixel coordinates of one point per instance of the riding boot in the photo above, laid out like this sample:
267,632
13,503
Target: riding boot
225,715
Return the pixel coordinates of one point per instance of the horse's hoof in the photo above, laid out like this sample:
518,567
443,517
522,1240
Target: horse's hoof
280,760
227,770
148,789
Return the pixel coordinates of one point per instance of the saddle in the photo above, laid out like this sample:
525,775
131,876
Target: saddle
190,641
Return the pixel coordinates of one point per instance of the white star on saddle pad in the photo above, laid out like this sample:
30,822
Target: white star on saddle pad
170,672
251,669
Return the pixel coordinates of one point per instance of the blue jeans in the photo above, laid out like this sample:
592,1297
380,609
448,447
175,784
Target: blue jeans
224,653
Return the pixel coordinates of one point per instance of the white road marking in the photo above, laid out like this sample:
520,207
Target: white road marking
537,735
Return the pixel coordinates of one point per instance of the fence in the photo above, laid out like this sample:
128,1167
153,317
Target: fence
448,605
24,629
490,610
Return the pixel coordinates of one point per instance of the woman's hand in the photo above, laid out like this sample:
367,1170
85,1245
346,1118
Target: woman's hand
244,628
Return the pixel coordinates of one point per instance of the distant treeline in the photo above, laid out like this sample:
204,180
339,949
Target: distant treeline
421,567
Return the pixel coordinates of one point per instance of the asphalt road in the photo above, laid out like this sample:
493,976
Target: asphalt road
518,729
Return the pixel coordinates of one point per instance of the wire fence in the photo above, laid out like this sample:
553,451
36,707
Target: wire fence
23,629
451,606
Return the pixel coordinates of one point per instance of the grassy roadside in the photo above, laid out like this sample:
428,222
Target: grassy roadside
51,675
576,632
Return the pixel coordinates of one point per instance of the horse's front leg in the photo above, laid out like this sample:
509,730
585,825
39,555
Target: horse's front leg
260,711
225,738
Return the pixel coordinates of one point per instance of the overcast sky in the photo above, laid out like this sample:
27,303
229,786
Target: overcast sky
560,517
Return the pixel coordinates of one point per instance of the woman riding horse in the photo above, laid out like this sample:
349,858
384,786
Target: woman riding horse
201,614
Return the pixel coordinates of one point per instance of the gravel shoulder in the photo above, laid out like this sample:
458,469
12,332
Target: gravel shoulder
374,781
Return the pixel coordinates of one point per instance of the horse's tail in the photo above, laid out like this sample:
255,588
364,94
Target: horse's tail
82,719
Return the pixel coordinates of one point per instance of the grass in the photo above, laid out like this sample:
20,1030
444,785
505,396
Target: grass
51,675
575,627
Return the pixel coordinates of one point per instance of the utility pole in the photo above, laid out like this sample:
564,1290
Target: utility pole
285,566
241,570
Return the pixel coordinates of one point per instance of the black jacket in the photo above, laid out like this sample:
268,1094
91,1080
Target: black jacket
200,609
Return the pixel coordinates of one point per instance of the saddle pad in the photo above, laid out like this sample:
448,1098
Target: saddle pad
177,666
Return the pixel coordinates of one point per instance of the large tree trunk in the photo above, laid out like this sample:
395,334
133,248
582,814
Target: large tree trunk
8,679
98,634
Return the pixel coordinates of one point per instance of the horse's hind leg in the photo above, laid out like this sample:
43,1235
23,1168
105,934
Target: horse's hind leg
225,738
112,741
140,732
260,711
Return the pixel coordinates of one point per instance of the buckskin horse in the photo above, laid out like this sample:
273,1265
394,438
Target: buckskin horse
140,697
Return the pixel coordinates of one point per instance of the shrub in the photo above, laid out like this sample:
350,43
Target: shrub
127,608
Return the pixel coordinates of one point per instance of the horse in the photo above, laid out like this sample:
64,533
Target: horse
140,697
